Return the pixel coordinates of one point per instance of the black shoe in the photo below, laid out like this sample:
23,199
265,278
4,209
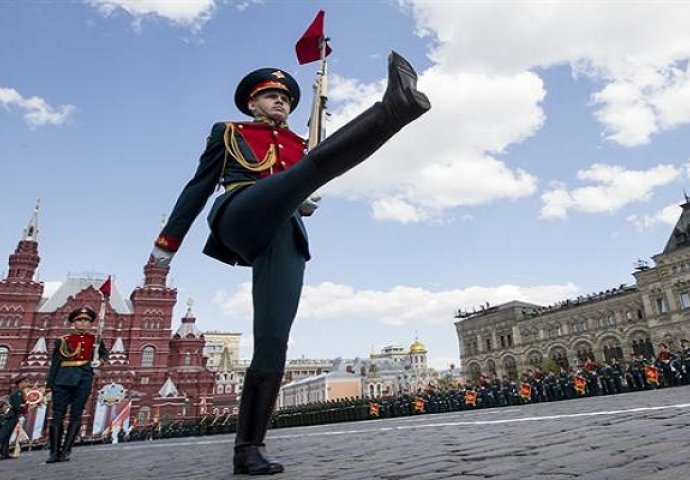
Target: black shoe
250,459
405,103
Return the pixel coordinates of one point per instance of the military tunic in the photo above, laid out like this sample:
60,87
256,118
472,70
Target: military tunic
71,375
255,221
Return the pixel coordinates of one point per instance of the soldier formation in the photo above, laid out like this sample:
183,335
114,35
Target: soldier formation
589,378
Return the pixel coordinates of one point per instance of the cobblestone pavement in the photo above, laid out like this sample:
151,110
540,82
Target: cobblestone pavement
632,436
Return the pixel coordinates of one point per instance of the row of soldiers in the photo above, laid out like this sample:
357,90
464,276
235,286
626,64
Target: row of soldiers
665,369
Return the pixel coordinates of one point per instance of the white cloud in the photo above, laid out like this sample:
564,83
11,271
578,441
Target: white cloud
401,305
188,13
450,156
666,216
37,112
488,56
638,50
617,187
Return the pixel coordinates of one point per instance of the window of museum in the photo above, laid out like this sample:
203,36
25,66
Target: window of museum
187,359
611,320
535,359
147,356
144,380
144,415
4,353
509,338
685,300
661,306
488,344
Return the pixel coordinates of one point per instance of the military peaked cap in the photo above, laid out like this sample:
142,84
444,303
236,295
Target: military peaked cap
18,378
265,79
83,313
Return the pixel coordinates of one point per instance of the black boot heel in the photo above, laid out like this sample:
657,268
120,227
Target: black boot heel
250,459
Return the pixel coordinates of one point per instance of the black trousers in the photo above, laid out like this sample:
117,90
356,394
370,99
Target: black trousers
5,434
74,397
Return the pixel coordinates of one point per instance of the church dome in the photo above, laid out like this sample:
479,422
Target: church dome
417,347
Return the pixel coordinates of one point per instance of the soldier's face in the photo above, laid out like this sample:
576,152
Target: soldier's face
273,104
82,324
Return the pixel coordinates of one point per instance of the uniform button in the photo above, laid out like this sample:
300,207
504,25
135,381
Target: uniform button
305,151
282,162
275,133
280,145
240,126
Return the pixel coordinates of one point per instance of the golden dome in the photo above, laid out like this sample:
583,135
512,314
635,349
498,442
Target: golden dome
417,347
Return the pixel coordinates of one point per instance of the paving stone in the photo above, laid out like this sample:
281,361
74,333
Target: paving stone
598,438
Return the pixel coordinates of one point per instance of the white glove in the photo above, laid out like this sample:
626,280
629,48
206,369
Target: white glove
161,257
309,206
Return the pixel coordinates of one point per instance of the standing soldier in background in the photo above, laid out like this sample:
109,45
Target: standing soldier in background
17,408
70,380
685,360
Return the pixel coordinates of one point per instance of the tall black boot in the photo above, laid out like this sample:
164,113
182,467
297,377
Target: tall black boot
55,439
358,139
72,430
259,395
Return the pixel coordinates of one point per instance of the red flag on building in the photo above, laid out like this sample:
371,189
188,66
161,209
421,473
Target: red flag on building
308,47
106,287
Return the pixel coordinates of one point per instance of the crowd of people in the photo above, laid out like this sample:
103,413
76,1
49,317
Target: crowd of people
589,378
664,369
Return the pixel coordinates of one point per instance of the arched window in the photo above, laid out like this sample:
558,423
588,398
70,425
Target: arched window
219,389
475,371
144,415
4,355
228,389
187,359
559,355
147,355
583,352
535,359
612,350
510,367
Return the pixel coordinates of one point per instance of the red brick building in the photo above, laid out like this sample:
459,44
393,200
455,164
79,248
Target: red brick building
164,374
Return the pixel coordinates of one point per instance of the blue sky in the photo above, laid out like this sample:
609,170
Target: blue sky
555,155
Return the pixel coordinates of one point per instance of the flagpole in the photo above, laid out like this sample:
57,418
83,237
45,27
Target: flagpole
317,127
105,300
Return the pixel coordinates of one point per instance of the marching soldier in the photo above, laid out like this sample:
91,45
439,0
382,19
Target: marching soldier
268,182
17,408
70,379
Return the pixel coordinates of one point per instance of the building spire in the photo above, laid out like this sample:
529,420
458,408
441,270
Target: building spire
31,230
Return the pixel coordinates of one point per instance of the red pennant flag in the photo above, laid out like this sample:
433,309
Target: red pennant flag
308,47
105,288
